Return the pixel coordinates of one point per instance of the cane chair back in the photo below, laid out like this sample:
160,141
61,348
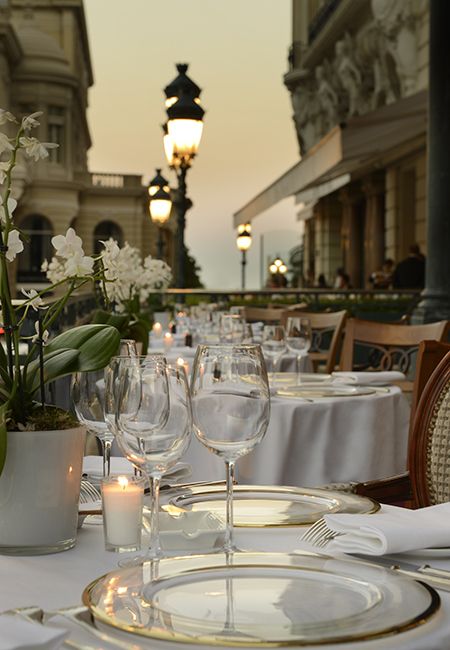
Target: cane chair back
429,356
327,329
429,450
370,345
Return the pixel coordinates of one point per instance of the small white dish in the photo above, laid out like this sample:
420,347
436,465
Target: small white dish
181,531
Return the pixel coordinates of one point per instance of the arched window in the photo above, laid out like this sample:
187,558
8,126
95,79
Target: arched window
37,246
103,231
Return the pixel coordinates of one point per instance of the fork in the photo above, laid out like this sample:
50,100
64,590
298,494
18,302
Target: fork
88,492
319,534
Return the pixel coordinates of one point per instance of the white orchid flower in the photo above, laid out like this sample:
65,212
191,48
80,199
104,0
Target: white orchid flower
35,149
79,265
112,250
14,245
68,244
4,166
12,204
6,116
5,144
30,122
36,337
34,299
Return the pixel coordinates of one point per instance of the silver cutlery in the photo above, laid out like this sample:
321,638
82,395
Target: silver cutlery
437,578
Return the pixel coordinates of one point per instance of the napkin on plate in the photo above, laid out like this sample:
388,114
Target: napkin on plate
374,378
392,530
19,634
93,467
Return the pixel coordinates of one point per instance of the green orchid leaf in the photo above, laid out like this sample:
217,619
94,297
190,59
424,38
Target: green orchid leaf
96,345
120,321
4,374
3,413
56,364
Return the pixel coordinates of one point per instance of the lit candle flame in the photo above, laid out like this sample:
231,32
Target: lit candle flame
123,482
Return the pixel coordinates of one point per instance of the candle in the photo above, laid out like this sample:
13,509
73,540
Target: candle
122,499
157,329
168,341
184,364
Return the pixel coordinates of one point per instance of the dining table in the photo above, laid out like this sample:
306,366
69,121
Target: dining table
55,582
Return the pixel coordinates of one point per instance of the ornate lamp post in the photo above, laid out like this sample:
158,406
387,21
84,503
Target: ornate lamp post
182,135
159,205
278,270
244,241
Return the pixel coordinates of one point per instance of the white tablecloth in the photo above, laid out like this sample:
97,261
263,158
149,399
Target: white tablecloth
56,581
329,440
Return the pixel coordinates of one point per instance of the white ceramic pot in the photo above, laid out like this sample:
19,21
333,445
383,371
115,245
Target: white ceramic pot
40,490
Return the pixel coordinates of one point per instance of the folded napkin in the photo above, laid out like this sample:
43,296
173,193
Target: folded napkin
19,634
392,530
93,467
375,378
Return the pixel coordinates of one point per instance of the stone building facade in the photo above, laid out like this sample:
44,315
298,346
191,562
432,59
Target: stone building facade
45,66
358,78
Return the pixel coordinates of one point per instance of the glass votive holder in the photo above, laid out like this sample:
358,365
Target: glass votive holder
122,503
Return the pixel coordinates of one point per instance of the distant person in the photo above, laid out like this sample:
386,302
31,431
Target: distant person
410,272
321,282
342,279
382,279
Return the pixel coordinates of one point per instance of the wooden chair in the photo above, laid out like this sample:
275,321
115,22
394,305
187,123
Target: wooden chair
327,329
268,315
370,345
427,481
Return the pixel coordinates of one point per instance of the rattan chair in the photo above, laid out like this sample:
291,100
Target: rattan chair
327,329
427,481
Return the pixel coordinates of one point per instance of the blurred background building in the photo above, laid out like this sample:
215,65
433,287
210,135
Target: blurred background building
46,66
358,79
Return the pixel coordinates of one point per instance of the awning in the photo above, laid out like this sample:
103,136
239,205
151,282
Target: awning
365,142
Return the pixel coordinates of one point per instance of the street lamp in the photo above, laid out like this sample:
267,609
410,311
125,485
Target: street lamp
278,270
159,205
182,135
244,241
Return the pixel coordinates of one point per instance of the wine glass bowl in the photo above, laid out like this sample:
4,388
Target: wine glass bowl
298,337
231,406
273,343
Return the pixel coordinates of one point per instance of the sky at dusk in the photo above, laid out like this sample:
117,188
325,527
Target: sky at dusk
237,51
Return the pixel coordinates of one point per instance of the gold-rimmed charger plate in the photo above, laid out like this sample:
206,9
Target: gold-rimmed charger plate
259,600
292,378
266,506
313,392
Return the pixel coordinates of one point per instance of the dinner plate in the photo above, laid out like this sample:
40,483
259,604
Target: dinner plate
264,506
289,378
259,600
312,392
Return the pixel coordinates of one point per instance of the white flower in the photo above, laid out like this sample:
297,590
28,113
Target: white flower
112,250
35,149
34,299
4,166
36,337
79,265
54,270
14,245
12,203
5,144
30,121
6,116
68,244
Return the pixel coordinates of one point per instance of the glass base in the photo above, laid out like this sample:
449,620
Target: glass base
122,549
58,547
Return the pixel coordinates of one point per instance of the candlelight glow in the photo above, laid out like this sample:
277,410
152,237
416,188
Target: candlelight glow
123,482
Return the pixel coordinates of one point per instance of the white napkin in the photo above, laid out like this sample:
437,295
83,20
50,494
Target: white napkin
93,467
18,634
392,530
375,378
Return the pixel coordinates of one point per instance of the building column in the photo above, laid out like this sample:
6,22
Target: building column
352,233
374,190
435,304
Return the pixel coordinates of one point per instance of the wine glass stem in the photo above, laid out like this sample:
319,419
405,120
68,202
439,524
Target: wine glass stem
154,549
106,452
229,541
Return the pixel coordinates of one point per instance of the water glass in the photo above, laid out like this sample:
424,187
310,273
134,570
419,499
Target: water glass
298,337
273,343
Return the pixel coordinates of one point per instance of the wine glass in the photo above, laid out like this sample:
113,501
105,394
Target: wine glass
232,328
273,343
88,397
231,407
144,437
298,337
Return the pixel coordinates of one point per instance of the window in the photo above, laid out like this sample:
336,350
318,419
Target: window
37,245
103,231
56,124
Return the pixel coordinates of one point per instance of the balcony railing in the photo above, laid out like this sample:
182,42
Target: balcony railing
320,18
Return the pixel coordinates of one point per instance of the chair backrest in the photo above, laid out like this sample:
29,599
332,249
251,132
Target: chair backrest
429,355
327,329
429,445
269,315
385,346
